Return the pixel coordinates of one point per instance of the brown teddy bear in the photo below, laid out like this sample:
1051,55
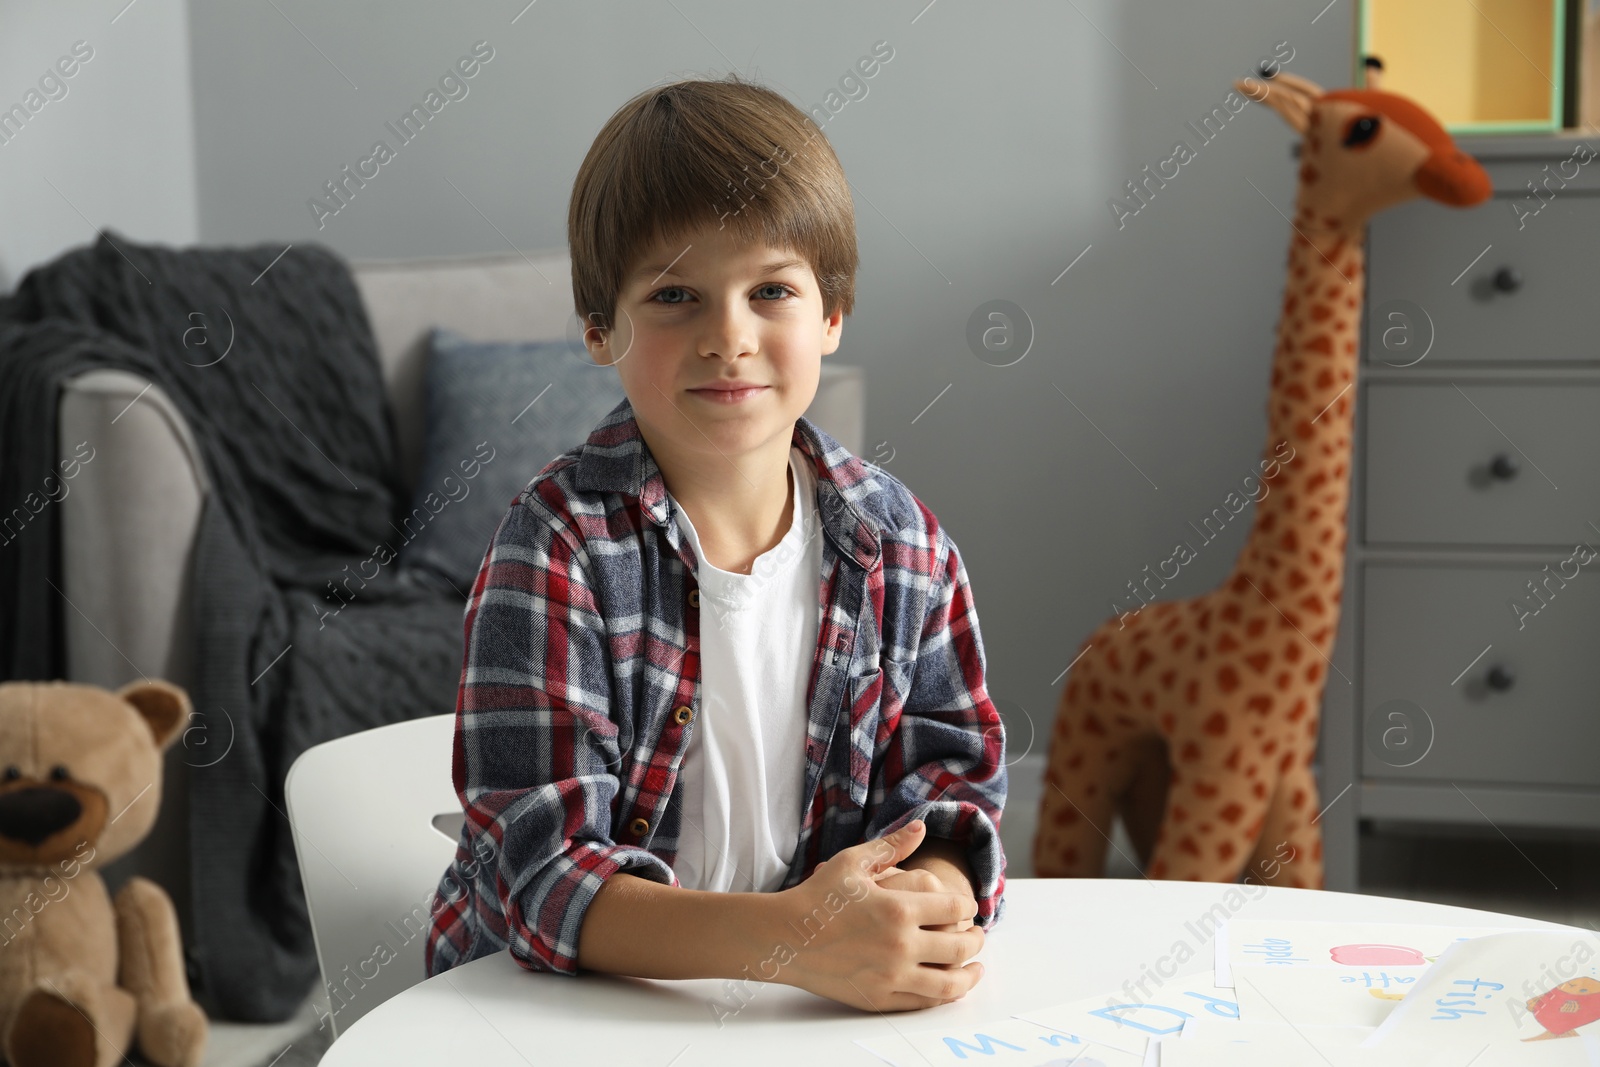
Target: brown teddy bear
82,977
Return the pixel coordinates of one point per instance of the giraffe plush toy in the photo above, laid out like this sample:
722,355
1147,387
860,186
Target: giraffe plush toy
1196,720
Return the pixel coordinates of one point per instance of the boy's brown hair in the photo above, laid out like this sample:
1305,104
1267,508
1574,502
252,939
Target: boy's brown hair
692,153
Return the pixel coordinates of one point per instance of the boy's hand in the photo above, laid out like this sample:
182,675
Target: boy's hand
919,880
873,946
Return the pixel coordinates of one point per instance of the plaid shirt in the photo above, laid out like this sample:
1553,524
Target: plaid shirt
581,682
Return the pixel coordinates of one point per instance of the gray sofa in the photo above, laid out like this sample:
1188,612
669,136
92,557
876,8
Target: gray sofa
128,523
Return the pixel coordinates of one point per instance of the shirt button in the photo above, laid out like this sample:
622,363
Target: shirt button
683,715
639,827
694,598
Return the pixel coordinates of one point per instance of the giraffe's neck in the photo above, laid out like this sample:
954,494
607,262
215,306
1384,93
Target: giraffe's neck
1296,545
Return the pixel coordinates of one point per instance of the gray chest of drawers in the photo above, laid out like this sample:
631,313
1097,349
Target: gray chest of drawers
1470,621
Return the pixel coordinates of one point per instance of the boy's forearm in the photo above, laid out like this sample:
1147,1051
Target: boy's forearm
638,927
945,860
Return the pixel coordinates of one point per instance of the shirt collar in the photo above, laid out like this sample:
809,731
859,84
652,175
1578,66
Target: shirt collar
616,459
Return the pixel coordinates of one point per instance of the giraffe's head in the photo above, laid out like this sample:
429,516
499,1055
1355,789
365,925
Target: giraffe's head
1363,150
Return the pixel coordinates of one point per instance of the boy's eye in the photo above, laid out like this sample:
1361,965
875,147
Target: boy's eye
781,292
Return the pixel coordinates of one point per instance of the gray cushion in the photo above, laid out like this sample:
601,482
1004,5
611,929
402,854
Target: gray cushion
497,412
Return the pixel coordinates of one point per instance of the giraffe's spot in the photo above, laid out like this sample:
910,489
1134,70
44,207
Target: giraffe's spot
1232,762
1334,290
1090,789
1300,271
1216,724
1298,710
1320,343
1338,470
1302,429
1299,799
1320,312
1069,856
1283,681
1254,627
1315,556
1190,752
1200,653
1293,651
1260,661
1187,845
1290,301
1072,691
1325,379
1114,660
1158,869
1142,660
1260,703
1239,584
1231,812
1349,347
1075,761
1296,390
1227,642
1179,641
1296,579
1269,748
1338,327
1119,696
1228,679
1191,692
1203,621
1204,789
1139,634
1092,725
1179,813
1317,480
1166,678
1095,692
1203,828
1066,816
1168,721
1285,763
1148,699
1260,790
1290,541
1230,612
1313,671
1313,603
1350,301
1288,501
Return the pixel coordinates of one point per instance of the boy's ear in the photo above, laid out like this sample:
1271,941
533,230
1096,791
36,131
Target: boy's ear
832,326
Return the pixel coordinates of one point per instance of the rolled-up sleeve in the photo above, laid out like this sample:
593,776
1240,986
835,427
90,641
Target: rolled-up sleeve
535,755
945,761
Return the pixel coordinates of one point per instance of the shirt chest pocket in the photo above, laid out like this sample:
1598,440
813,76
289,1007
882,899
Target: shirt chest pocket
878,692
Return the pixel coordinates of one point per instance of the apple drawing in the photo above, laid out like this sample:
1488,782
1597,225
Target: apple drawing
1377,956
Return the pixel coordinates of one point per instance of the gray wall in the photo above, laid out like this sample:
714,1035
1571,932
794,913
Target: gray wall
982,156
111,144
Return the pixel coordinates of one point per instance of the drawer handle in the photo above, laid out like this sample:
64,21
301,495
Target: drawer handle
1507,280
1500,679
1504,467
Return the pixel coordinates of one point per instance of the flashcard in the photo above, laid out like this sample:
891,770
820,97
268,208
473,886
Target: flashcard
1327,996
1128,1018
1294,1052
1323,1036
1521,987
1012,1042
1288,943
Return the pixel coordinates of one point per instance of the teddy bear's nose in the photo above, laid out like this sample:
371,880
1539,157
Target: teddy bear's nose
31,815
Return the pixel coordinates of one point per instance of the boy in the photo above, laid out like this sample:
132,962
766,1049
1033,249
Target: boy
723,711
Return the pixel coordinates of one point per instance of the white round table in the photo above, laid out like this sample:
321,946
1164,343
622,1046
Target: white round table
1061,940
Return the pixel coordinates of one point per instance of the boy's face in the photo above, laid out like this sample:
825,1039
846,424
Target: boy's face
702,309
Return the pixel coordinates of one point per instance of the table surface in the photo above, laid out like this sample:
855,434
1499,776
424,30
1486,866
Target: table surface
1061,939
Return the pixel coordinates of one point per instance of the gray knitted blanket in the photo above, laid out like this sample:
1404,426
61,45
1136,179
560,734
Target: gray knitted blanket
298,444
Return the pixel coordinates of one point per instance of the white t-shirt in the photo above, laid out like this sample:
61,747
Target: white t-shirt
745,766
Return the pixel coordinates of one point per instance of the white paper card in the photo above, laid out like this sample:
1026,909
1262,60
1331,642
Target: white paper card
1127,1020
1012,1042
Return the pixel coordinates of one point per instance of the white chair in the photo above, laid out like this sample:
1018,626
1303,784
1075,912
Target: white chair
375,819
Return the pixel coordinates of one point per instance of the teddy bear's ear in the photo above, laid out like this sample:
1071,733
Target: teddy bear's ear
163,706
